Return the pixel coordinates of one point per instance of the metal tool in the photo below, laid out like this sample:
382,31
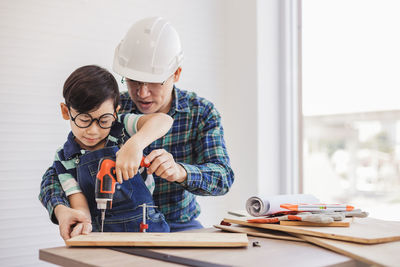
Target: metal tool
105,185
143,224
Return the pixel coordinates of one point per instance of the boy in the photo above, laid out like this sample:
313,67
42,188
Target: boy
91,104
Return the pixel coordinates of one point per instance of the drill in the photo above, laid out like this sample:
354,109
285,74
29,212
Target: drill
105,185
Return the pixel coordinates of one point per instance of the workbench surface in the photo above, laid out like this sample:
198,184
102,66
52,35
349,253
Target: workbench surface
271,252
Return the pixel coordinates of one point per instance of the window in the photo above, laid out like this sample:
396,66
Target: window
351,103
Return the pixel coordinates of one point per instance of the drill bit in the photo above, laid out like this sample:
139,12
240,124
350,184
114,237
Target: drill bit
103,214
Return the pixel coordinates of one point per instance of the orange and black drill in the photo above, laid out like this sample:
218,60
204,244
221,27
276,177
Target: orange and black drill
105,185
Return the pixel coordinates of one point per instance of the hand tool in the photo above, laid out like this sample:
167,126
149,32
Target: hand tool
105,185
305,217
316,207
143,224
342,214
148,178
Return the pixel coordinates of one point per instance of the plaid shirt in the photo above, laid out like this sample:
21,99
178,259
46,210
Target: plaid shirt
196,141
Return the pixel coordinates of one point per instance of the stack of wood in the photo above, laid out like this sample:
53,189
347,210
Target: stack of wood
369,240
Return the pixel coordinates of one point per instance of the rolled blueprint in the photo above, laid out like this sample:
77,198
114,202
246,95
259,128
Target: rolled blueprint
257,206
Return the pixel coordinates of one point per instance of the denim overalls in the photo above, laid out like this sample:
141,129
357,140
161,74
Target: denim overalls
125,215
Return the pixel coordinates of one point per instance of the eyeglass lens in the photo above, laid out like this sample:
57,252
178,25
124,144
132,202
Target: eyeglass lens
84,120
136,84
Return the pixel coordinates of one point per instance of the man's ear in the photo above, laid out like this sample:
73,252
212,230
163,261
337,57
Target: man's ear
64,111
177,74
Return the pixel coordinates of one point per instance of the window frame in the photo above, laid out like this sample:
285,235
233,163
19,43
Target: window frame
291,128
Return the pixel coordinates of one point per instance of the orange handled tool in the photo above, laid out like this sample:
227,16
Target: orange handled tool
142,164
105,185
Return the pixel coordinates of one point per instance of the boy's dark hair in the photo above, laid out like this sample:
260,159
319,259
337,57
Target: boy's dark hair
88,87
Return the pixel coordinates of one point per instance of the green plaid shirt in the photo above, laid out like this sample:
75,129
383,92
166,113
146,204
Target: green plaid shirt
196,141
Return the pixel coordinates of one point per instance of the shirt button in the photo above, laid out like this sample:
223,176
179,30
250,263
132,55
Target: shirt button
77,161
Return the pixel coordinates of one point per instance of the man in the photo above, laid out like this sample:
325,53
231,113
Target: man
190,160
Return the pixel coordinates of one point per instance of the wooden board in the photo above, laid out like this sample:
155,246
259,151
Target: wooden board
332,224
270,252
259,232
160,240
362,230
385,254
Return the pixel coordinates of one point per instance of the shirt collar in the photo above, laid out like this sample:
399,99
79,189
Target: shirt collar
71,147
179,102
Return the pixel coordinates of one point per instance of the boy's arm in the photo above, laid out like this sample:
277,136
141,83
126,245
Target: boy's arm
78,201
149,128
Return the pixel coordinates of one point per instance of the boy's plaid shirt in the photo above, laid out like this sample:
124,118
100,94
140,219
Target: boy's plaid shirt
196,141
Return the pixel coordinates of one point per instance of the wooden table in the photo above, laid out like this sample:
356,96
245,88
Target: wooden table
271,252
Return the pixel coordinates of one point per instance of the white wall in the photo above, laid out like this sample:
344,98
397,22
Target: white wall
230,55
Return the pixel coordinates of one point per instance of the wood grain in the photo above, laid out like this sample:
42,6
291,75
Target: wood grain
385,254
160,239
362,230
259,232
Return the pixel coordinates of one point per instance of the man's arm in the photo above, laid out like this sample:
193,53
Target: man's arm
71,222
210,172
51,193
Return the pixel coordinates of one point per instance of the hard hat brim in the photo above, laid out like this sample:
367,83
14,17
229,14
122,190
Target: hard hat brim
139,75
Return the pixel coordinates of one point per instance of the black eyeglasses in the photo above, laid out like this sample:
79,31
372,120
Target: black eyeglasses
84,120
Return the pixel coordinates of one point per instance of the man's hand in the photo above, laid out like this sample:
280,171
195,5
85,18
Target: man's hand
72,221
164,166
81,229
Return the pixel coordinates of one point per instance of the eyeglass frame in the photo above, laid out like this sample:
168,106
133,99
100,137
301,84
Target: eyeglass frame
141,84
92,119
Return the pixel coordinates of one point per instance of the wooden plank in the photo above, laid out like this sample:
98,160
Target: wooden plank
259,232
278,252
160,239
385,254
300,223
362,230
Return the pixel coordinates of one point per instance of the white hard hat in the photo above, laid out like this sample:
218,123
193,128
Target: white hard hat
150,52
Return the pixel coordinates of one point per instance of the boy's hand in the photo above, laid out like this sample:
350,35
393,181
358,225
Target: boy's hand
128,160
67,218
164,166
